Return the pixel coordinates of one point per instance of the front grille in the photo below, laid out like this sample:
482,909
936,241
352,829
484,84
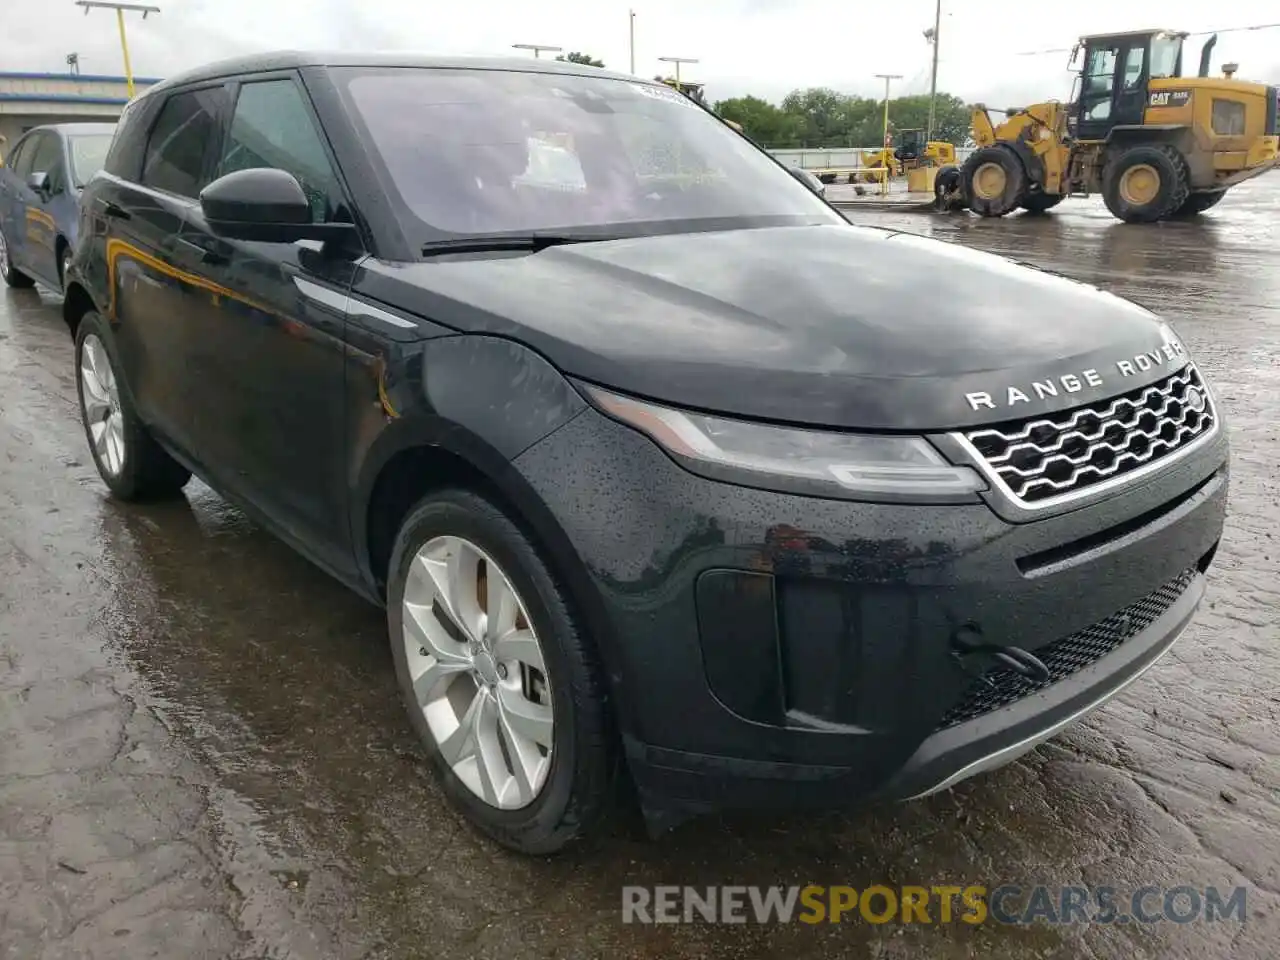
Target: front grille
1068,453
999,686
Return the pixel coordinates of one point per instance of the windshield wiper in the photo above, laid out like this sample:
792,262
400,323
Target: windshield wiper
527,241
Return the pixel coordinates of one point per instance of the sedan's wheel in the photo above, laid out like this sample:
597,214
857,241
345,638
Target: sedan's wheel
501,686
129,460
12,277
478,672
102,416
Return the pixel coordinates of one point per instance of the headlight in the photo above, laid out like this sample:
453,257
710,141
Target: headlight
819,462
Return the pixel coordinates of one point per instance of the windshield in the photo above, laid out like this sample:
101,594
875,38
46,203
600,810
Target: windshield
1164,56
88,154
490,152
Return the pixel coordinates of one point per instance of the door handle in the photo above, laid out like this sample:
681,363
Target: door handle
115,212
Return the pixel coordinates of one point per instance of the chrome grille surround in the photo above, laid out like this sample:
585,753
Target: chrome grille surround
1069,454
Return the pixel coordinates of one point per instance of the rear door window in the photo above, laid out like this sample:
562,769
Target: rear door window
272,127
185,128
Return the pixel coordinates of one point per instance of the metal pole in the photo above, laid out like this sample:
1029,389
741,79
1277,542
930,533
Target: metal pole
632,25
124,45
121,7
677,61
933,83
884,180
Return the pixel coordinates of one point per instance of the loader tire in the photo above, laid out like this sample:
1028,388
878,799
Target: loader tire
1040,202
946,189
993,181
1145,184
1198,203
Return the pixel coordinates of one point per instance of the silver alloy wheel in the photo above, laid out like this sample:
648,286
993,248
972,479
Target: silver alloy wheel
478,672
102,414
4,255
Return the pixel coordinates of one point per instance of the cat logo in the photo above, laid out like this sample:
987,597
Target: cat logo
1169,98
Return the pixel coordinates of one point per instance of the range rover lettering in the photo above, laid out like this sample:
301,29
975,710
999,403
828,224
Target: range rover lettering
663,471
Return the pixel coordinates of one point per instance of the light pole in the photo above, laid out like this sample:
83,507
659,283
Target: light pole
886,77
932,37
631,18
677,61
537,48
120,7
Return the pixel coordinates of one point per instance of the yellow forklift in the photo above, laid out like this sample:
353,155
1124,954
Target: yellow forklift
1155,144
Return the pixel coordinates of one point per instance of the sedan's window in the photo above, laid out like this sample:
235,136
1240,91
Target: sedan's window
19,157
272,128
485,151
88,154
187,124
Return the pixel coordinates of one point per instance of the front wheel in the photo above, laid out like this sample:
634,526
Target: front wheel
502,687
129,460
994,181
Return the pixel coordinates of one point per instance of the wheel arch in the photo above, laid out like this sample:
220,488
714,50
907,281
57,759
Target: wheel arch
414,457
1177,135
76,303
1032,165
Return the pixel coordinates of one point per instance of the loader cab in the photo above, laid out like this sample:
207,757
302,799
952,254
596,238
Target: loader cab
911,145
1114,72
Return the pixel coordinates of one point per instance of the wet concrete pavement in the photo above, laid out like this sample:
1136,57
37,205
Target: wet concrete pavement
202,753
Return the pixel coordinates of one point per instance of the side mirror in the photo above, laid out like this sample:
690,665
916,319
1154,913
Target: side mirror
39,182
263,204
809,180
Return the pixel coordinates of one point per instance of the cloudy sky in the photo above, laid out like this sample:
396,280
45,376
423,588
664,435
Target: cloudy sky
767,47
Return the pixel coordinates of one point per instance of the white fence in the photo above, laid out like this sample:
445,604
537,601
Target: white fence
828,158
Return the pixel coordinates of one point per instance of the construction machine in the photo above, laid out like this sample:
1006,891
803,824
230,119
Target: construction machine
914,151
1155,144
911,152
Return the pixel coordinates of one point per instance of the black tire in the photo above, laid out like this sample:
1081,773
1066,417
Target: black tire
1170,193
1198,203
147,471
1040,202
581,784
983,201
947,193
12,276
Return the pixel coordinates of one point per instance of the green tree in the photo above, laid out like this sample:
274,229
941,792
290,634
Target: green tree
583,58
761,120
951,116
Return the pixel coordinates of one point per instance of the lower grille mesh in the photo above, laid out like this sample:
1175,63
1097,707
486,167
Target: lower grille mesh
999,686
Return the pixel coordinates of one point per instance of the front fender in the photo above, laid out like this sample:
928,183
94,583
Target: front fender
483,399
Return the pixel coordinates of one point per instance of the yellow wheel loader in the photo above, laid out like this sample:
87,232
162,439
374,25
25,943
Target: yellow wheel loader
1155,144
911,152
877,160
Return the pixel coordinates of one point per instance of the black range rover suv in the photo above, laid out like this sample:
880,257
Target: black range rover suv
659,467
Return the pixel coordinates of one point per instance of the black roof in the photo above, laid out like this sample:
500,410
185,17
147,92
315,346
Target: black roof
293,59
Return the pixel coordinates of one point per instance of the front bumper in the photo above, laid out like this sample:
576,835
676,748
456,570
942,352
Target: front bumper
770,649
